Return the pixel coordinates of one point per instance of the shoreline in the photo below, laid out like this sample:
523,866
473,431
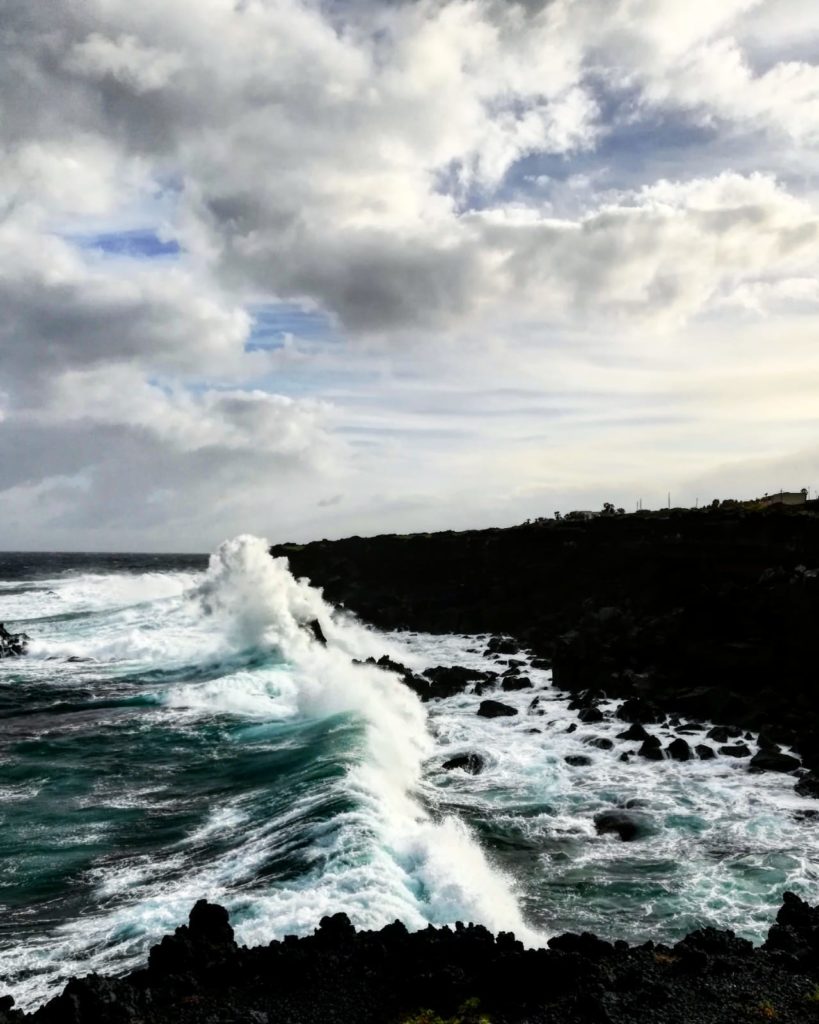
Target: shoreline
454,975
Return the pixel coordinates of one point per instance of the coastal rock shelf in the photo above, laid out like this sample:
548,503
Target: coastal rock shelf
465,973
702,613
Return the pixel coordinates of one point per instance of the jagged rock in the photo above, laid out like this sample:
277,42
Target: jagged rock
796,931
629,825
315,628
772,759
704,752
636,731
494,709
471,763
12,645
679,750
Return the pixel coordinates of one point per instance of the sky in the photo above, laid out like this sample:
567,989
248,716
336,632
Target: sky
314,268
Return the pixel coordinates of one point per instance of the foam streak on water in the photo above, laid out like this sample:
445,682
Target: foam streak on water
177,731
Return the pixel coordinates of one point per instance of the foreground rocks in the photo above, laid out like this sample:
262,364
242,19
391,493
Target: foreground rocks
199,975
12,645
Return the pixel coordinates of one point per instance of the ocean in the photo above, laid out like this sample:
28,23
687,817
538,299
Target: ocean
176,731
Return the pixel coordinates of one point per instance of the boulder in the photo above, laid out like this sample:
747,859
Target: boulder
679,750
601,742
629,825
577,760
704,752
651,748
771,759
634,732
591,715
721,734
501,645
516,683
494,709
470,763
736,750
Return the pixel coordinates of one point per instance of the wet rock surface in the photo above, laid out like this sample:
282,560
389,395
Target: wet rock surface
12,645
199,975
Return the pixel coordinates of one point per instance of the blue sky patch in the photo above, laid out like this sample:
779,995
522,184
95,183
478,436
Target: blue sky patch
141,243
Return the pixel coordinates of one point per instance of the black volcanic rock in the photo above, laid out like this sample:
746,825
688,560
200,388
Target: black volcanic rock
736,750
634,732
590,715
772,759
679,750
12,645
447,680
471,763
704,752
512,683
339,975
628,825
494,709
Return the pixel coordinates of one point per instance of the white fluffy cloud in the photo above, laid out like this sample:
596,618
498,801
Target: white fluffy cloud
560,185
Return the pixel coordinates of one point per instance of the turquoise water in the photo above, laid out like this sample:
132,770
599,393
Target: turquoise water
176,732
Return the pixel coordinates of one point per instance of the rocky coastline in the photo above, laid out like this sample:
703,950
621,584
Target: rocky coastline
683,618
705,614
460,975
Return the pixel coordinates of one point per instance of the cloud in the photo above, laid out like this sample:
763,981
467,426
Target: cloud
499,193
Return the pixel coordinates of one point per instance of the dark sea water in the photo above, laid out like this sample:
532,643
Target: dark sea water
177,732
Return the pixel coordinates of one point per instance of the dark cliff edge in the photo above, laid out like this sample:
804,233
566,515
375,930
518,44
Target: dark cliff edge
707,613
461,975
710,614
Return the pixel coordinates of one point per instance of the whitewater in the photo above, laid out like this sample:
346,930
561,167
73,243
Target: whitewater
178,731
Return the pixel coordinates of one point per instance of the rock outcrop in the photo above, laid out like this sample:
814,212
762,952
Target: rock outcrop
339,975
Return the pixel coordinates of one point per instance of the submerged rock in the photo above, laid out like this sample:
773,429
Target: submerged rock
494,709
471,763
629,825
577,760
